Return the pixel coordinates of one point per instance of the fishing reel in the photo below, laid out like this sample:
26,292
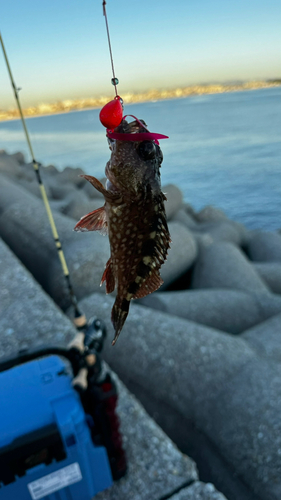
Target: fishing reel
95,335
98,394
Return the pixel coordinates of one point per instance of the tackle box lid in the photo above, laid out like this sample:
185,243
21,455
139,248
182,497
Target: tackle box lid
26,395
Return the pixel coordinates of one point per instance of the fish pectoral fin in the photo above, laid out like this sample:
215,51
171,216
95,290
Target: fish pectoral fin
108,277
99,187
94,221
151,284
96,183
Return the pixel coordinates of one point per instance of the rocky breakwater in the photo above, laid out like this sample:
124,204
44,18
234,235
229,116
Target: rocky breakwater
156,468
202,354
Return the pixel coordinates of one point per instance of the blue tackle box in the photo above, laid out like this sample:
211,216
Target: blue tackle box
46,450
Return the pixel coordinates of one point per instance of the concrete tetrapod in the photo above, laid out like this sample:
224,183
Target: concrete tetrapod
231,311
25,228
270,272
265,246
223,265
209,377
181,255
28,317
265,338
198,491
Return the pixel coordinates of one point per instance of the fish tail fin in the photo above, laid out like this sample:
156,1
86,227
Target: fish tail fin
118,316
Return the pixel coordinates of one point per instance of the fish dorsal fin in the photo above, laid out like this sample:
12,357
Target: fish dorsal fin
152,283
94,221
108,277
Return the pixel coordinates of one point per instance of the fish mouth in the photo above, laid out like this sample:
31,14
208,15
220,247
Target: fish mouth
111,143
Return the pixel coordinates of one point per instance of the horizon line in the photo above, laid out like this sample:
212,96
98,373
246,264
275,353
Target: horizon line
80,104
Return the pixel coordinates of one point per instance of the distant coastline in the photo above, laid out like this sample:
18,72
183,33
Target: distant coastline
129,98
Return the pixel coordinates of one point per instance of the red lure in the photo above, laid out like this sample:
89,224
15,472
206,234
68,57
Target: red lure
111,114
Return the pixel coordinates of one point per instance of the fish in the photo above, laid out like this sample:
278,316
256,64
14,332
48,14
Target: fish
134,218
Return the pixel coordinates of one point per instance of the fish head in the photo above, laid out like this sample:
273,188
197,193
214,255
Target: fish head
133,166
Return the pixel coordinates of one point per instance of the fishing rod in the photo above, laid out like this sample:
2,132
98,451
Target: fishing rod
79,318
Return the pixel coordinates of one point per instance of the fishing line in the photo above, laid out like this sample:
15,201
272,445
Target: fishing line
114,80
80,319
111,115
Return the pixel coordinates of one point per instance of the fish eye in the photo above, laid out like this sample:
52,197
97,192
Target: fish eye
147,150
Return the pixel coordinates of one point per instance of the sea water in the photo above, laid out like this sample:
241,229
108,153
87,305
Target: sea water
224,149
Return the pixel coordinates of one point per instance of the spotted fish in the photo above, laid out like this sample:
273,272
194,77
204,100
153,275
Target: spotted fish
134,217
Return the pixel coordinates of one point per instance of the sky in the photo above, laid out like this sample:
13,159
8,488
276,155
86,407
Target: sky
58,49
